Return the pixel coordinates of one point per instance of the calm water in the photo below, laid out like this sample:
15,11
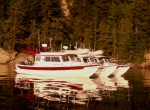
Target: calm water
26,92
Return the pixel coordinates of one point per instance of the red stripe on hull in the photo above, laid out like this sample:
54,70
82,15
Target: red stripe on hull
122,66
51,68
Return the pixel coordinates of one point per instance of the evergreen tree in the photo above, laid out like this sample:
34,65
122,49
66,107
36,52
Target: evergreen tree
34,20
4,7
119,27
14,27
141,28
53,23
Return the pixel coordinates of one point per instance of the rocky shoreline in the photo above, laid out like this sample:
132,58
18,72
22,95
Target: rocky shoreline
16,57
13,56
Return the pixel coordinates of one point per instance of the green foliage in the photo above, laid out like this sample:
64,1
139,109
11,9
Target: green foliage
14,27
119,27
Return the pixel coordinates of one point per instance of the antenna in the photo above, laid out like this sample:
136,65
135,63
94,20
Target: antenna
39,38
50,42
61,47
38,50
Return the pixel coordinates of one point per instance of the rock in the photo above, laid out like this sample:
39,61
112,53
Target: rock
147,56
4,56
21,56
145,64
135,65
12,55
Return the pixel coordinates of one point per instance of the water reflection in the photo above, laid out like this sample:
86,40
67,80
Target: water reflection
128,92
6,86
80,91
6,72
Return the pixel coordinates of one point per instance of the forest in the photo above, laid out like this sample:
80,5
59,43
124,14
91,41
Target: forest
121,28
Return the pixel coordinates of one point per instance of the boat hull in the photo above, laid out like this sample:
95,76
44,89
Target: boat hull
121,69
69,71
105,70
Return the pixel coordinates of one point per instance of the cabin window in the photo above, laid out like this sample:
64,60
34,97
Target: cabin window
65,58
96,61
78,59
48,59
101,61
72,58
52,59
37,58
56,59
85,60
92,60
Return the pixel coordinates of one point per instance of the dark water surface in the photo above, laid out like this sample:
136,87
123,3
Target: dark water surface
25,92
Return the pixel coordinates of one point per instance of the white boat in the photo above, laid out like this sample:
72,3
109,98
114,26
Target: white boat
111,67
57,64
108,67
121,68
105,67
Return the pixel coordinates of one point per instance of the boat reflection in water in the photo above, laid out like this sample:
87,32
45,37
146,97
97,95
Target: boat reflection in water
113,83
43,91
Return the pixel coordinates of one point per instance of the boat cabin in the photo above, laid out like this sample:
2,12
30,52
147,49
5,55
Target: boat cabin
86,59
55,58
103,60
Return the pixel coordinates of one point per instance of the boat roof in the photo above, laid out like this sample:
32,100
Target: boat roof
54,54
100,56
92,56
85,56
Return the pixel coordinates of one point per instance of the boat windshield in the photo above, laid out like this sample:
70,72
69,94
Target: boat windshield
72,58
86,59
78,59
